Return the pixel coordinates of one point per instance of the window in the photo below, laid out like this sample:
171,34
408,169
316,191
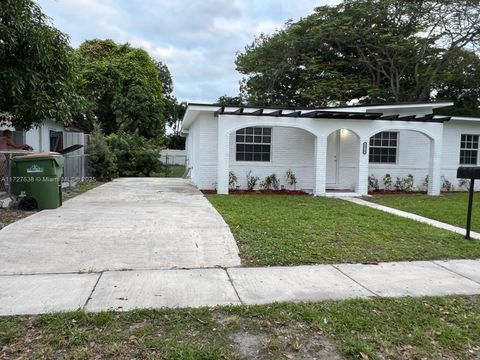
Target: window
383,148
253,144
56,141
469,150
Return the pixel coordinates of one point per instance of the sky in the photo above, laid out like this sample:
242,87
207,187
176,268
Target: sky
197,39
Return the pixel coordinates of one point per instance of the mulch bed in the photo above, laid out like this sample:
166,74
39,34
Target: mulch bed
260,192
396,192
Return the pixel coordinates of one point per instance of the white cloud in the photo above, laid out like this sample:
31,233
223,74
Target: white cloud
197,39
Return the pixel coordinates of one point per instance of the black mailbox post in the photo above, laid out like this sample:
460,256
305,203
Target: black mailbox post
472,173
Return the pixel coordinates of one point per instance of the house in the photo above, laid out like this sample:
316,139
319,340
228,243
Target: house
51,136
329,149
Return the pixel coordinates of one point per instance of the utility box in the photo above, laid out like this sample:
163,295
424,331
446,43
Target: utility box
38,177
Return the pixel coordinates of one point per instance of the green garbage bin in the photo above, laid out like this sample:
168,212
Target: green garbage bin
38,176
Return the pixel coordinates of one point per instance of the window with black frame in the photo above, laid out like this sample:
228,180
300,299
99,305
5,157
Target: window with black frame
383,148
469,149
56,141
253,144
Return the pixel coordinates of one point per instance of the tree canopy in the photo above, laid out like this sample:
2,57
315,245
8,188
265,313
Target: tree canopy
372,50
124,89
36,71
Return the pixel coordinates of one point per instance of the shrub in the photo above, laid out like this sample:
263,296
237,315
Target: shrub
464,184
399,184
136,156
232,180
446,185
291,178
387,182
425,183
373,183
251,181
409,183
101,160
271,182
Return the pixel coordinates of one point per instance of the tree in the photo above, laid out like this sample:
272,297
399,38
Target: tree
372,50
123,88
36,69
230,100
102,160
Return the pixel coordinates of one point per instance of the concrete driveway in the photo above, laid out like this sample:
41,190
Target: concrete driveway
127,224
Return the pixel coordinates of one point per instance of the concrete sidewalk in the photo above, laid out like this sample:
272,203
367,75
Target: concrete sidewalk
126,290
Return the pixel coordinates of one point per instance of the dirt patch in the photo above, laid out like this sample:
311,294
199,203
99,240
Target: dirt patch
248,345
8,216
319,347
260,192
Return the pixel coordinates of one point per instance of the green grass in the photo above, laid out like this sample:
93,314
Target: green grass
292,230
174,171
450,208
407,328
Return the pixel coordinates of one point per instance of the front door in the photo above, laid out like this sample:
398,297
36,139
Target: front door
332,154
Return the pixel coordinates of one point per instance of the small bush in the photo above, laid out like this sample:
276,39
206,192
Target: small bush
271,182
387,182
425,183
399,184
101,160
464,184
446,185
232,180
373,184
251,181
291,178
409,183
136,156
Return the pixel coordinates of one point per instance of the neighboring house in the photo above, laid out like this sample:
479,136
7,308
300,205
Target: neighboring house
329,149
51,136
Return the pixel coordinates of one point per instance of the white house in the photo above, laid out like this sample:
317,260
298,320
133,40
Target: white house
329,149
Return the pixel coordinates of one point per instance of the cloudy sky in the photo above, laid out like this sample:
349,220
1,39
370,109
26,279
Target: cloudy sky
197,39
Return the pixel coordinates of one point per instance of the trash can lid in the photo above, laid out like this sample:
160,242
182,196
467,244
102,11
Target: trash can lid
38,156
58,158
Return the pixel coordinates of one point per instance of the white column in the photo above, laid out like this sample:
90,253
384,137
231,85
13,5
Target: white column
320,165
435,173
361,186
223,159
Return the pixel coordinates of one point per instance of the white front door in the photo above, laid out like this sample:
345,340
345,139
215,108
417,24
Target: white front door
332,154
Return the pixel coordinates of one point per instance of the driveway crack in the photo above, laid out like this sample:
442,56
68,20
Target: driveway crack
91,292
234,288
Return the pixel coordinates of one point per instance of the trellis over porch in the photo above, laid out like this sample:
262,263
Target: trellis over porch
322,123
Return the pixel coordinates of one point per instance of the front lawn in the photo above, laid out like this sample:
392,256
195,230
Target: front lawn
292,230
450,208
406,328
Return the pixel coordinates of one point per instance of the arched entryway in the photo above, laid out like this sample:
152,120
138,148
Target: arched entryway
343,147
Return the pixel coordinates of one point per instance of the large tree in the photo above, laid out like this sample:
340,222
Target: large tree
374,50
36,72
123,88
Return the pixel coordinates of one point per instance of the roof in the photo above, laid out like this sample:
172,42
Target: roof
357,112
